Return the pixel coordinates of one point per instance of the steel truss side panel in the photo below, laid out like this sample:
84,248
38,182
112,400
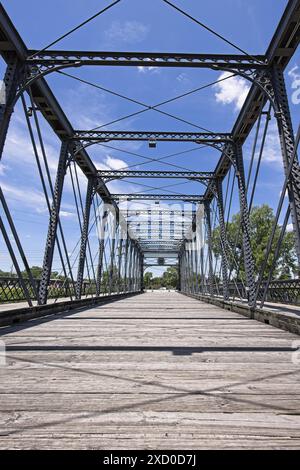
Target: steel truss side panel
53,223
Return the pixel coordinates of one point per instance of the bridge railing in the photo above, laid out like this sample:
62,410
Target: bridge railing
12,291
279,291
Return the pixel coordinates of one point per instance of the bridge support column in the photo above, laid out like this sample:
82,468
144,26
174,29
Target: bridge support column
245,225
126,263
186,273
182,271
192,251
179,273
53,223
223,239
101,236
287,141
136,268
142,287
188,268
129,284
120,256
207,214
84,237
112,261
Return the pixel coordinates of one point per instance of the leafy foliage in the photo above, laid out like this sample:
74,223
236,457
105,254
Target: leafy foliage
169,279
261,224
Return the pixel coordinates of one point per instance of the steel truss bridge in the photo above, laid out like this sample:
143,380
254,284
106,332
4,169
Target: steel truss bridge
92,357
130,238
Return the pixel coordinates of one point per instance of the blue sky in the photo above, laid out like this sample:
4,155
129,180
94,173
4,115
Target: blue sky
137,25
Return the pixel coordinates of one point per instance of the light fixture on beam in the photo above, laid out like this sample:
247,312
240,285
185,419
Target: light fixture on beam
152,144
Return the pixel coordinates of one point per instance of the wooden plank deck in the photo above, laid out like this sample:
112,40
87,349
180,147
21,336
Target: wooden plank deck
158,370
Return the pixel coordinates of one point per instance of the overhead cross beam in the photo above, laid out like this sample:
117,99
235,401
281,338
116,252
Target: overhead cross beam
160,254
106,136
191,175
164,222
67,58
182,213
169,197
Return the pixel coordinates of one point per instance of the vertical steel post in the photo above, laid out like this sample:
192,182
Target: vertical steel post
185,280
135,265
245,224
112,260
179,268
142,287
192,245
224,260
84,237
287,141
181,276
53,223
129,289
207,213
196,264
121,242
126,263
190,269
101,236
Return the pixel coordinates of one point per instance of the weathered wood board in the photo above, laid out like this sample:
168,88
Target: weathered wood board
159,370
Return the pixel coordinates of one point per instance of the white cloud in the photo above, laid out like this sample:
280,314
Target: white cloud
18,149
289,228
26,196
115,163
128,32
183,78
66,214
231,91
111,163
144,69
272,149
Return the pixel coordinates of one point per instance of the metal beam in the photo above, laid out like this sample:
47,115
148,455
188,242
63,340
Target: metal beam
170,197
164,222
160,265
67,58
167,136
183,213
160,254
84,237
53,223
191,175
280,51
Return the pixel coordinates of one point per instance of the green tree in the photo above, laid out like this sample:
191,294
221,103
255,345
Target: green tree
148,280
6,274
170,278
261,224
36,272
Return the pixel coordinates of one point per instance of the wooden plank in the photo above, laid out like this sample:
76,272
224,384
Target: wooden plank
158,370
